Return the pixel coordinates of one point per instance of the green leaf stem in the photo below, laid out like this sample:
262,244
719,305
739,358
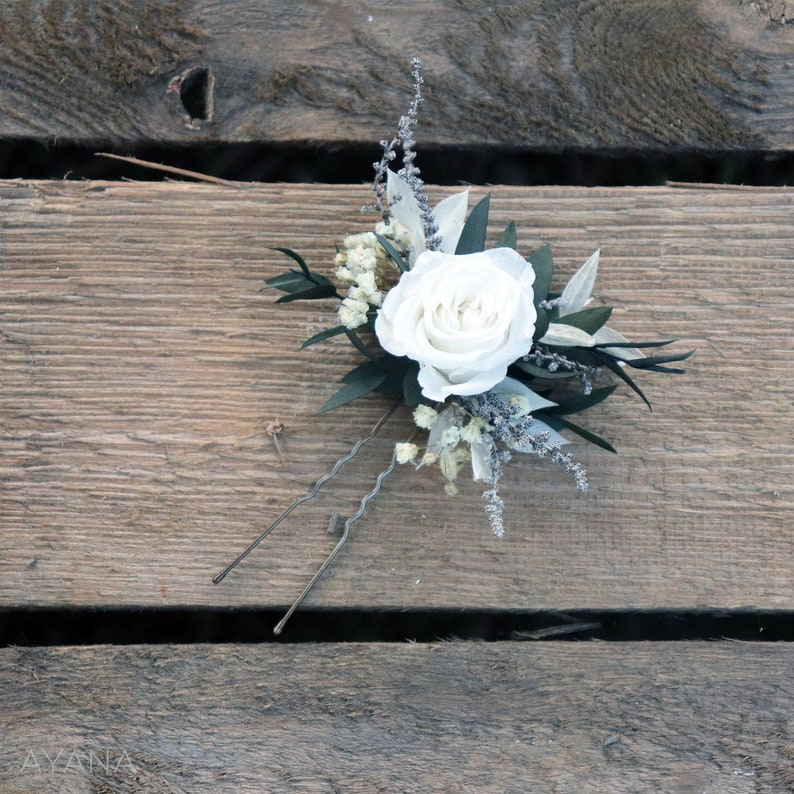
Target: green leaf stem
472,238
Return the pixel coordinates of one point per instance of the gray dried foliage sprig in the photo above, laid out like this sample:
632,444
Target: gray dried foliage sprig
555,362
508,427
409,171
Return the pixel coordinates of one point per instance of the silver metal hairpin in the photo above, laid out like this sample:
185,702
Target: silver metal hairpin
314,491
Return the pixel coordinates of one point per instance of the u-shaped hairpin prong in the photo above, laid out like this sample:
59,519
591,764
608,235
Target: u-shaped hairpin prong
345,534
314,491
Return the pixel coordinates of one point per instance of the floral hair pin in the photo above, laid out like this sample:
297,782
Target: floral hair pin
490,360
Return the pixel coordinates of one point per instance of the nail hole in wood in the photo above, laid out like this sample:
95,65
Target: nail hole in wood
196,93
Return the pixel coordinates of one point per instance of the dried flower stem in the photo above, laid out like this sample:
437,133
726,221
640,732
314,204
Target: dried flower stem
409,172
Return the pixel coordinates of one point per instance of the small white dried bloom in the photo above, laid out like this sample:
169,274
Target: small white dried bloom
396,232
521,403
405,452
472,433
352,241
362,259
450,437
428,459
353,313
451,460
450,488
368,240
346,275
364,295
366,281
366,290
425,416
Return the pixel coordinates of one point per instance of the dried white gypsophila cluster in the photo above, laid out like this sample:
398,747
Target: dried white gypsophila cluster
448,430
481,430
369,271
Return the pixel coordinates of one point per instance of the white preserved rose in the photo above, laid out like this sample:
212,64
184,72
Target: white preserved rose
464,319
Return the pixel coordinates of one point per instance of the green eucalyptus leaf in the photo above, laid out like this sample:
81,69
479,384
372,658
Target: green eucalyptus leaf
472,238
395,368
289,282
326,334
412,391
354,390
540,372
612,364
543,265
651,362
358,343
586,356
605,335
364,371
581,402
588,320
312,292
603,345
541,324
392,385
660,368
509,238
393,253
324,281
298,258
558,423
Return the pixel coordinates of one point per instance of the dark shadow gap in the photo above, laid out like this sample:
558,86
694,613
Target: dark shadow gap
442,166
83,626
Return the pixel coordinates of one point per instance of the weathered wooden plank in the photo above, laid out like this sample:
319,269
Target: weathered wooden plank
662,75
141,366
506,717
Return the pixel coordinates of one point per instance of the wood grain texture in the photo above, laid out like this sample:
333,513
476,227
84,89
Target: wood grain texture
678,718
661,75
141,366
